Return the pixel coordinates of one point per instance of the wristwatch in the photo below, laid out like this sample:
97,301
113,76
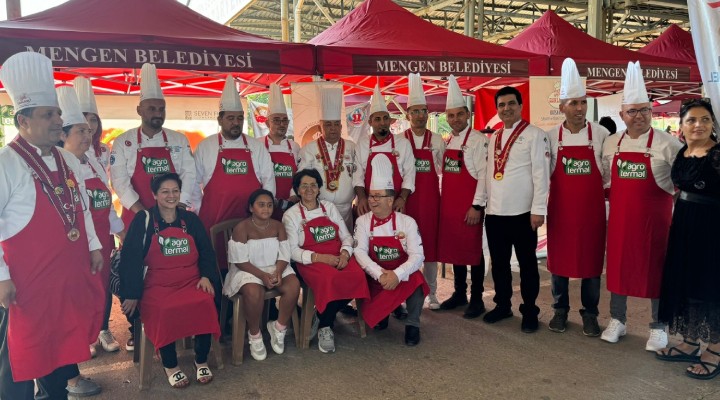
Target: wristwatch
477,207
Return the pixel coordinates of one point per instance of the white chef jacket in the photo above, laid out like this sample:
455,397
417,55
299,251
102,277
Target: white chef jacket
283,147
405,160
526,179
206,157
116,224
474,159
17,198
663,151
438,148
104,158
411,243
296,232
124,156
599,134
345,192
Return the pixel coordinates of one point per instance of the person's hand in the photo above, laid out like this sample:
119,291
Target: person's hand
399,204
129,306
389,280
294,199
473,216
7,293
205,285
96,261
182,205
328,259
269,280
536,221
363,206
137,207
278,277
343,262
121,235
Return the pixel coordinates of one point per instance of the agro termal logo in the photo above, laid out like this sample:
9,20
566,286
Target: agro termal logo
174,246
156,166
323,233
385,253
452,165
631,170
283,171
99,198
574,166
422,165
234,167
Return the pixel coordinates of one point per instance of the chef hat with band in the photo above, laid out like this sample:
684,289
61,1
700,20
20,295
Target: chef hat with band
571,85
416,94
70,106
382,173
331,99
149,83
276,103
85,95
28,79
634,91
377,104
454,95
230,99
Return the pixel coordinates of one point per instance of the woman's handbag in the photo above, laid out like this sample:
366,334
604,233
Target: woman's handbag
115,262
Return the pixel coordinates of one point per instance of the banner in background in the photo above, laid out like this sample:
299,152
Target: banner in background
356,120
306,107
609,106
545,102
705,20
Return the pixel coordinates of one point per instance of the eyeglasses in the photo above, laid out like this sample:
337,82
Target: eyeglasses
280,121
418,111
376,197
306,186
643,111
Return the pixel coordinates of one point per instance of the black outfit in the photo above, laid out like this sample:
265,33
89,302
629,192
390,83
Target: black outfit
690,294
477,276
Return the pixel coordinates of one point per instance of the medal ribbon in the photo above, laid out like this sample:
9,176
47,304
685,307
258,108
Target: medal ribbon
332,169
502,153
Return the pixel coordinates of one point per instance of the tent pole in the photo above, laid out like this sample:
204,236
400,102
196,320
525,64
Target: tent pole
298,20
284,22
595,19
480,11
13,9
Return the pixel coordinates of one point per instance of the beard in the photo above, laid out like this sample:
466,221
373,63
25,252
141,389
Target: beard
156,123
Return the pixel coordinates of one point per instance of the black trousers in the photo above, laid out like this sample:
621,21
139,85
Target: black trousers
327,317
477,276
51,386
168,353
504,233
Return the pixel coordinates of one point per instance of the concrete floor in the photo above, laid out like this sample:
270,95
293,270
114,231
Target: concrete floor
456,359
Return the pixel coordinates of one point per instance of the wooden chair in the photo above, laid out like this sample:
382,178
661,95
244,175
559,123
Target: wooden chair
308,307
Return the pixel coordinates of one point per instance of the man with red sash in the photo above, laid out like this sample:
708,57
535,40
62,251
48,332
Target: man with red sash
461,211
389,248
517,181
141,153
636,167
49,252
576,206
284,153
424,204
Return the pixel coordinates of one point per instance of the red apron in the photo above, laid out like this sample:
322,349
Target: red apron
100,200
458,242
58,311
576,213
638,226
389,254
285,167
397,178
150,161
172,307
427,192
226,194
327,282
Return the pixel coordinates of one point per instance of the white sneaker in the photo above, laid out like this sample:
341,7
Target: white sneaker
277,338
433,303
257,348
658,340
108,342
326,340
93,352
614,331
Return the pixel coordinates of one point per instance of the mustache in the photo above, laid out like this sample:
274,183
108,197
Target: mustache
383,132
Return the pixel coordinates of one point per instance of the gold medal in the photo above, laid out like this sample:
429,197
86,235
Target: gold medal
499,176
73,234
70,183
396,153
400,235
342,168
333,185
58,190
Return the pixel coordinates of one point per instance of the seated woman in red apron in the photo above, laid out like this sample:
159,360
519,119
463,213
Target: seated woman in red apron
321,245
389,248
260,254
177,295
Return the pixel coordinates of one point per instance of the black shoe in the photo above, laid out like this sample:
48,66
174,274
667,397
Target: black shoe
529,323
456,300
349,311
474,309
400,312
497,314
412,335
558,323
382,325
590,326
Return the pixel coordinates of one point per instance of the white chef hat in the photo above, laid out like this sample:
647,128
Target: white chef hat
571,85
230,99
331,100
28,79
70,106
377,104
454,95
382,173
85,95
149,83
276,103
416,94
634,91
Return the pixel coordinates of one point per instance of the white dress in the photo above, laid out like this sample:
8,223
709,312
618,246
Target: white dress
262,253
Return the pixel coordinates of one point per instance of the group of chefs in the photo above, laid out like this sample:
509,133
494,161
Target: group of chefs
509,183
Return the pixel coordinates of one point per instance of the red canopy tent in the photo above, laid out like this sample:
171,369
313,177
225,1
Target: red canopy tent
108,41
675,43
602,63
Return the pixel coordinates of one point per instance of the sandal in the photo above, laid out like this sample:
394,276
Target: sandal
710,374
203,374
682,356
178,380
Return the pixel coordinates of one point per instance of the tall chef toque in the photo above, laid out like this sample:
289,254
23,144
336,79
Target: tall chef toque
377,104
149,83
276,103
70,106
634,91
382,173
571,85
416,95
28,79
85,95
331,99
230,98
454,95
